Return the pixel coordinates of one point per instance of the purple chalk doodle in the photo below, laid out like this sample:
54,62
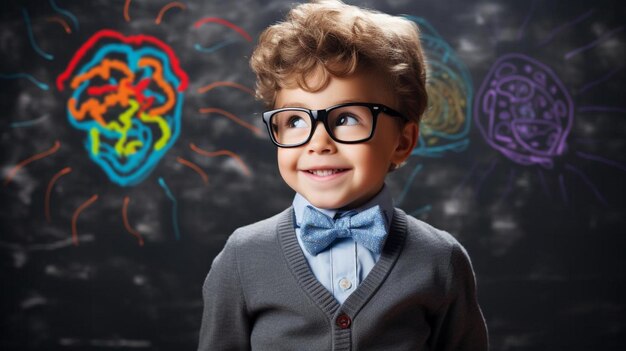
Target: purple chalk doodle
524,111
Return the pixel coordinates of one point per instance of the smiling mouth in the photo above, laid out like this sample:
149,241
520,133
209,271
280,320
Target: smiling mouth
325,172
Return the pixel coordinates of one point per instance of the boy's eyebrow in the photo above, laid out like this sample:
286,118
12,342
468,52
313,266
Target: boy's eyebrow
303,105
293,104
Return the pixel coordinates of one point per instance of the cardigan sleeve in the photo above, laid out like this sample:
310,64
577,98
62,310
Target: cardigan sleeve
460,323
225,323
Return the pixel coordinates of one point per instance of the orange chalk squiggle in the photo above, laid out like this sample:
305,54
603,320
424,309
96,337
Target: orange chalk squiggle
75,217
222,153
167,7
33,158
225,84
127,224
61,21
236,119
195,167
126,6
54,179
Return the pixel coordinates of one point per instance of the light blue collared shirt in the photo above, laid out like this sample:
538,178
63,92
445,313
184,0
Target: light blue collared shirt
345,263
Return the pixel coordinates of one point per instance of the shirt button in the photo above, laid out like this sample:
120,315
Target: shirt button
343,321
345,283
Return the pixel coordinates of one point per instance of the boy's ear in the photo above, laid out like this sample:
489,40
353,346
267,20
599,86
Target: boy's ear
406,142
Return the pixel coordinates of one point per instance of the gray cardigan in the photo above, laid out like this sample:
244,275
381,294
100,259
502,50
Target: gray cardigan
260,294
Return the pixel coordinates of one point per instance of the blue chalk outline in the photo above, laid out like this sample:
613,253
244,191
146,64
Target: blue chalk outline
31,37
442,58
41,85
215,47
30,123
169,194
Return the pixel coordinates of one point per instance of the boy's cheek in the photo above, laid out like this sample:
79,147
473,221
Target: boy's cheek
287,166
285,158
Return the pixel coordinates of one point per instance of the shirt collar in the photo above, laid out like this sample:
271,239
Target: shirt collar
383,199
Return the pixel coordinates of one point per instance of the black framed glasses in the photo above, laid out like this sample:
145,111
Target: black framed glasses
349,123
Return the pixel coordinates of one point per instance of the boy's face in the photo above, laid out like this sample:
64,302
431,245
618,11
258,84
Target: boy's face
333,175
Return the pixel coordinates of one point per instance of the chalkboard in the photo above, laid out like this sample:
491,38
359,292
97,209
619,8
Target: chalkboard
110,217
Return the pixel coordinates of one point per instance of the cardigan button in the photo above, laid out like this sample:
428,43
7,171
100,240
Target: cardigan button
343,321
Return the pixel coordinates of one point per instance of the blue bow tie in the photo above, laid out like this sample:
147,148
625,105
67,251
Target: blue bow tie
317,230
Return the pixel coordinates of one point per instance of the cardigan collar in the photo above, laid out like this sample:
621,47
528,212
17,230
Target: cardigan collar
316,291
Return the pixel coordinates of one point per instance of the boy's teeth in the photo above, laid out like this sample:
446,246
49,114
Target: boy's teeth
324,172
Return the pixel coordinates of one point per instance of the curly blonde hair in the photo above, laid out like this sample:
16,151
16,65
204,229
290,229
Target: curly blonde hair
335,39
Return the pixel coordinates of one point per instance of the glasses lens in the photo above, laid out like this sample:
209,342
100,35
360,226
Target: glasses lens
290,127
351,123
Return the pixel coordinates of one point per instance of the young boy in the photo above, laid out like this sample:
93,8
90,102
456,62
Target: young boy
341,269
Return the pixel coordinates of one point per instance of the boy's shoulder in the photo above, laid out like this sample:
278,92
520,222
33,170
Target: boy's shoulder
258,233
439,253
425,236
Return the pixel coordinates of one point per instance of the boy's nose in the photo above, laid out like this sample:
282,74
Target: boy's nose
321,142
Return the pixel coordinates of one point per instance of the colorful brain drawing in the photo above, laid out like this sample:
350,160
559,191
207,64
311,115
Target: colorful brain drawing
524,111
127,96
446,124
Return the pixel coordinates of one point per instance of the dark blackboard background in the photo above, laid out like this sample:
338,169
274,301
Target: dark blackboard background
551,272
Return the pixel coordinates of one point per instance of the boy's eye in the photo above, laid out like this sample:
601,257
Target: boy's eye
347,120
296,122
